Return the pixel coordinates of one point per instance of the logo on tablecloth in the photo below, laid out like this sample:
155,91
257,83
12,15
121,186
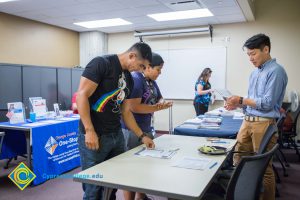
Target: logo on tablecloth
51,145
22,176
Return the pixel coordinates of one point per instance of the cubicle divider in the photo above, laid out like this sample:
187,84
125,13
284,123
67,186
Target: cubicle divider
55,84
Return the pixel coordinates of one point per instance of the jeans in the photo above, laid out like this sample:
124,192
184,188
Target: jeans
111,145
131,140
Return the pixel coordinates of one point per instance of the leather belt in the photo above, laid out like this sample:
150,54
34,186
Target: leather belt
256,118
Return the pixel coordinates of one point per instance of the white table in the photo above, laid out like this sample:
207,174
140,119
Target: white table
156,176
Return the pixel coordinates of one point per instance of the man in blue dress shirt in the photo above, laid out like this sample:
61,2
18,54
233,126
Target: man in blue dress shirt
266,91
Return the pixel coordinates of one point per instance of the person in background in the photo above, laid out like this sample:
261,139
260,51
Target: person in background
267,85
74,104
203,92
144,100
105,83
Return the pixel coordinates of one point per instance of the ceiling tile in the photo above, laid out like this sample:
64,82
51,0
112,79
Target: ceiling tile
64,13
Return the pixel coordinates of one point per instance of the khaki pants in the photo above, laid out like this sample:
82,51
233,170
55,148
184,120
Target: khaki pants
249,139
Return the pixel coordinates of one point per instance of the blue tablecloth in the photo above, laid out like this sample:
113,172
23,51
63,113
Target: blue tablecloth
228,129
14,144
54,148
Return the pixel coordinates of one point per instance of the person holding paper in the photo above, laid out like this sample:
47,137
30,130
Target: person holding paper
104,85
203,92
144,100
267,85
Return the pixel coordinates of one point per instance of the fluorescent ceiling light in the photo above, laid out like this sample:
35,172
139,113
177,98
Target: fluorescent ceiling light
103,23
3,1
186,14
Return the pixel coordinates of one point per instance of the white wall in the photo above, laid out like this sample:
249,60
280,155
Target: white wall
279,19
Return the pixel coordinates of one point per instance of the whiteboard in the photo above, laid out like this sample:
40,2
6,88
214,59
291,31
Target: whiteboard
183,66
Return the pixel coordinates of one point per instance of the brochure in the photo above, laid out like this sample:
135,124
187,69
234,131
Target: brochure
56,110
157,153
39,107
16,112
224,93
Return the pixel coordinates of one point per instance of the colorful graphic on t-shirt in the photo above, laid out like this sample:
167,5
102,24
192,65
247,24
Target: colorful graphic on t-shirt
117,96
100,104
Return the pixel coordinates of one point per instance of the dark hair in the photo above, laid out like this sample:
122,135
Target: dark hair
258,41
157,60
204,73
143,49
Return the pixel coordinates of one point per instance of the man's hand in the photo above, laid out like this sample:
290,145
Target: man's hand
232,103
91,140
164,105
148,142
227,107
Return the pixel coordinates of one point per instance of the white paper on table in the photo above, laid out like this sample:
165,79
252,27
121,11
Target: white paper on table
157,153
194,121
193,163
212,119
191,126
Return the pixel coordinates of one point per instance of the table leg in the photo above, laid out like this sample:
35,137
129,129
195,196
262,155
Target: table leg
28,148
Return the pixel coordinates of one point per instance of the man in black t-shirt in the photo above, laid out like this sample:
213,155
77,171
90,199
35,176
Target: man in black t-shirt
105,84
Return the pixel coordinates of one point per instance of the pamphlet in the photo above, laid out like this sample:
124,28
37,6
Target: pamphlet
16,112
56,110
224,93
157,153
39,107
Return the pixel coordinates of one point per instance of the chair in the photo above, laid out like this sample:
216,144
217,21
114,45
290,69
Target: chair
279,154
288,136
246,181
226,174
1,140
271,130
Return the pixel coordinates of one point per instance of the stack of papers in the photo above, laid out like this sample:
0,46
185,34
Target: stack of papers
211,122
191,126
215,120
210,125
220,112
203,122
194,121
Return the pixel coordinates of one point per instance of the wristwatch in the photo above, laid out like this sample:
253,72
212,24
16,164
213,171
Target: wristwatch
241,100
141,137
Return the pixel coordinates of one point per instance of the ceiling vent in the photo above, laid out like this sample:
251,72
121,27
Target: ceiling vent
178,5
